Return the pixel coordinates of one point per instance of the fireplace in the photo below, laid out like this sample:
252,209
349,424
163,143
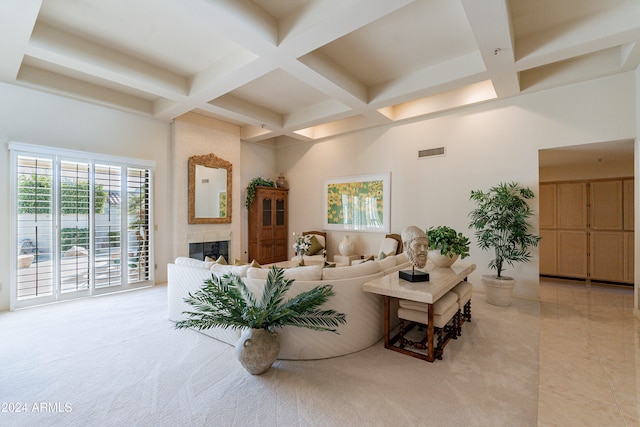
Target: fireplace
200,250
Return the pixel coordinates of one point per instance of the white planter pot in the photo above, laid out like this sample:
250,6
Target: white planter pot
498,291
440,260
257,349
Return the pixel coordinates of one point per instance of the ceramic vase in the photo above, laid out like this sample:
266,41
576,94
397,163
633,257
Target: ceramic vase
282,182
346,246
257,349
440,260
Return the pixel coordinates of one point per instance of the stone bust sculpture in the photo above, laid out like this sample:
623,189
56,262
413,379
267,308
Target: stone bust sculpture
415,243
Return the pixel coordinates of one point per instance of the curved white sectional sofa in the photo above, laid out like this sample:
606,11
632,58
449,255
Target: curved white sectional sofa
363,310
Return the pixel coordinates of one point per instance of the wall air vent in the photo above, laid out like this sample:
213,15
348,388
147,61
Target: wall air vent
431,152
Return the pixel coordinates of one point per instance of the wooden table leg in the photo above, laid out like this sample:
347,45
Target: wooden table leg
430,332
387,319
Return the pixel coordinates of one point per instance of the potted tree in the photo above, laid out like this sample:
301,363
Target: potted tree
226,302
446,245
500,221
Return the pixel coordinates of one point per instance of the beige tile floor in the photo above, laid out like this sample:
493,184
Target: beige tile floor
589,355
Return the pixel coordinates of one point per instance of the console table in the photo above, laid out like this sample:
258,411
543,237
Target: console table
441,281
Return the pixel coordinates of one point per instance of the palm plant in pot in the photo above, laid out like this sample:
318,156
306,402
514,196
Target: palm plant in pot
227,302
446,245
500,221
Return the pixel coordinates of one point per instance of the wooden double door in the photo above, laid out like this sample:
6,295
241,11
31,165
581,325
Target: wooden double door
587,230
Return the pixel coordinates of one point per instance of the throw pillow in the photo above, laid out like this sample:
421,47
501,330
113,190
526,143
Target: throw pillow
329,265
255,264
315,246
209,259
369,258
389,246
221,260
239,262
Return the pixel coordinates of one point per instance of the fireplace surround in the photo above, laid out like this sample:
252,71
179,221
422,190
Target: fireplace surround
200,250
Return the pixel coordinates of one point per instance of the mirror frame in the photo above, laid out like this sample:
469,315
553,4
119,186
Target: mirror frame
210,161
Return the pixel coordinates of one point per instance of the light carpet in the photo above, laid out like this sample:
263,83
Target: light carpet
117,361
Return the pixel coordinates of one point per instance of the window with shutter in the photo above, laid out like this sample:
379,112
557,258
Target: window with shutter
82,224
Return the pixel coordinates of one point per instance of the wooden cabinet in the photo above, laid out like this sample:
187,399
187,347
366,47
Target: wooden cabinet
267,225
587,230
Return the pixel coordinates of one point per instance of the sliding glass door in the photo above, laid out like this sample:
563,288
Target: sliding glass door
82,227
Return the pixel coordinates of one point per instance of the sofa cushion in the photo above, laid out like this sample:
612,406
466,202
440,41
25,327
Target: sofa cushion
358,270
221,260
305,273
221,269
192,262
388,246
315,247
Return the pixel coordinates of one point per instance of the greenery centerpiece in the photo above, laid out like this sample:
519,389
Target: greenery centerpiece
251,188
448,243
226,302
500,221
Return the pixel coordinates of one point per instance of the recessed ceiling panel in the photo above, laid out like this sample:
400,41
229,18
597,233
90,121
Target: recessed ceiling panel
160,32
279,92
417,36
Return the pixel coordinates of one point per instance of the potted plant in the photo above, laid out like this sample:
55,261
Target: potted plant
500,221
446,245
226,302
251,188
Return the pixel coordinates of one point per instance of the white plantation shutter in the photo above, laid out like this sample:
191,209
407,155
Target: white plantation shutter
82,224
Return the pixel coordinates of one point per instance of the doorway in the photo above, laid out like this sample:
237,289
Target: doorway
587,212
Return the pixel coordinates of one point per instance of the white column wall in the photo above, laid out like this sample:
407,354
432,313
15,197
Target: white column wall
197,135
485,144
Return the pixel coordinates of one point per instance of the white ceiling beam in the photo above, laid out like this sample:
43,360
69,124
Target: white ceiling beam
65,86
491,26
215,82
630,56
17,19
249,110
62,49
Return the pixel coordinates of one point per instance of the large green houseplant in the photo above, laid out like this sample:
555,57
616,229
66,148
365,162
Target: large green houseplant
226,302
446,245
500,221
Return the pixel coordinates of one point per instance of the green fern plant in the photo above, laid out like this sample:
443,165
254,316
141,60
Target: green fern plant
501,223
226,302
448,241
251,189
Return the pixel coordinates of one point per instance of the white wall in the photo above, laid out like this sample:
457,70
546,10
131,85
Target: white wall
486,144
37,118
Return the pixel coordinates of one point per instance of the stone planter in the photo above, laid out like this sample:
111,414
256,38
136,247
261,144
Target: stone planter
257,349
498,291
440,260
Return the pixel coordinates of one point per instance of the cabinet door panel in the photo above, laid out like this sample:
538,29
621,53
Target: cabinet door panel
548,255
627,198
572,205
607,256
606,205
572,254
629,260
547,205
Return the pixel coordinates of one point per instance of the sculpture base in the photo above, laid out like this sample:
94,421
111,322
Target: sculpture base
414,276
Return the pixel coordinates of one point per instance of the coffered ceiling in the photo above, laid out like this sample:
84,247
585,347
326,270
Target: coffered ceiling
291,71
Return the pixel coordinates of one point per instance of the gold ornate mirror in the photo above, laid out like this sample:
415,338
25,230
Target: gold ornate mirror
209,190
